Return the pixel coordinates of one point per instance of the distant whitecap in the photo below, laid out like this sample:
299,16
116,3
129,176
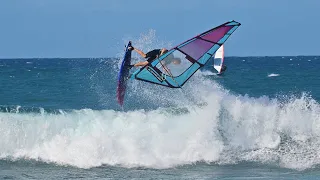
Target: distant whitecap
273,75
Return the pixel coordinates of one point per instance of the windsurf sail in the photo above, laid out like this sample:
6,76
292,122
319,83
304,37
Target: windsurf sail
192,55
219,59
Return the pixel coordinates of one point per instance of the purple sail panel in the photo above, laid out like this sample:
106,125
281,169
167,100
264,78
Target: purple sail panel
196,48
216,34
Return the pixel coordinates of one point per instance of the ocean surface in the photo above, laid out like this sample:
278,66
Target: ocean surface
59,119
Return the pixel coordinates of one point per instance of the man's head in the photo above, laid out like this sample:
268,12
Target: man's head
176,61
170,58
163,51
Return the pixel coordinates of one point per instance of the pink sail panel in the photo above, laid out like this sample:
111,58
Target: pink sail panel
216,34
197,48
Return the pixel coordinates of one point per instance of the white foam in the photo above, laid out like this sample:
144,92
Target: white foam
208,73
273,75
224,129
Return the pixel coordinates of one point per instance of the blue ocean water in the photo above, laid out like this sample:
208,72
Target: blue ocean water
60,119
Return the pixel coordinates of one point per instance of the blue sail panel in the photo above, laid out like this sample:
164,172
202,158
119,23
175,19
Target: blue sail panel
151,75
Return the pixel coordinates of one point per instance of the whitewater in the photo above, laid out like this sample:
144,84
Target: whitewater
61,115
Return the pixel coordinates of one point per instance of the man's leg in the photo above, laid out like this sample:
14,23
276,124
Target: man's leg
142,54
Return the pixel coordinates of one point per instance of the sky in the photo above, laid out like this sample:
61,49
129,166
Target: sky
96,28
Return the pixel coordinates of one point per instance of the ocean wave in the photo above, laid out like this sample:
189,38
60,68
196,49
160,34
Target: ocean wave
38,110
222,129
201,122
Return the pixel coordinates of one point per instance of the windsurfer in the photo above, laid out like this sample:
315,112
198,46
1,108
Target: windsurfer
154,54
223,68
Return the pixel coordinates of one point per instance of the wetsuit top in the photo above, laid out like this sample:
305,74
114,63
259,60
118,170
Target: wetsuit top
223,68
152,55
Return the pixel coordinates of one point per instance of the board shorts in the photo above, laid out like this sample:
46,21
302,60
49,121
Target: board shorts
152,55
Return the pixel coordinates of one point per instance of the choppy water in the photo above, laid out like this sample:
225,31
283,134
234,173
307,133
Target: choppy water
59,119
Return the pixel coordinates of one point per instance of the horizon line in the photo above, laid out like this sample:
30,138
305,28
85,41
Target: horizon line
118,57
